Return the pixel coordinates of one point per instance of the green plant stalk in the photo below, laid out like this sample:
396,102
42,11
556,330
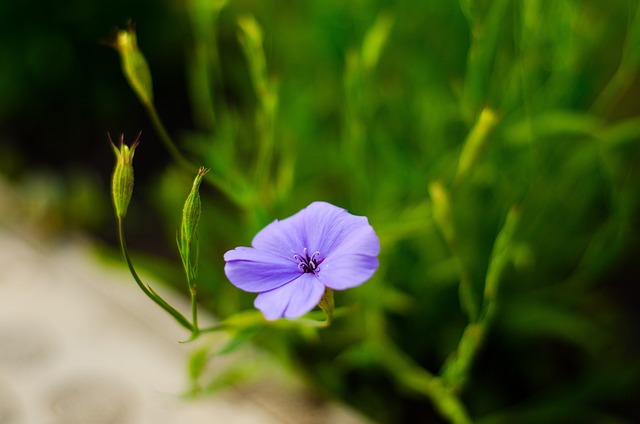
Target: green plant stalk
166,139
203,62
355,130
265,120
251,41
456,369
442,213
195,330
475,143
416,378
138,75
186,164
501,256
148,290
485,37
188,234
193,289
200,87
358,110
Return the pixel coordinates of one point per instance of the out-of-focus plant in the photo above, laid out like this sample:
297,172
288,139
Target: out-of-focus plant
483,142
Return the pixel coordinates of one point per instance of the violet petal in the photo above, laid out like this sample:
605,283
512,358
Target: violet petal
360,239
328,227
346,271
284,237
256,271
291,300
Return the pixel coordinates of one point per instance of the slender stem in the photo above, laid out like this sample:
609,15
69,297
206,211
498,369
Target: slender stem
166,139
269,110
186,164
148,290
418,379
194,312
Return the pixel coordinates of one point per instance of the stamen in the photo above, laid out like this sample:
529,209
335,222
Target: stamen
308,264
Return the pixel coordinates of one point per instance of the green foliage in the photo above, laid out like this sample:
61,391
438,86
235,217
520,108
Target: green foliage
494,146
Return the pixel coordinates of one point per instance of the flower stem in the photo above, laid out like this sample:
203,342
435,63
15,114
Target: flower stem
211,178
194,312
326,304
418,379
166,139
148,290
455,371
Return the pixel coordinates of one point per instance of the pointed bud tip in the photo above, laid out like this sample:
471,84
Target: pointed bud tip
122,179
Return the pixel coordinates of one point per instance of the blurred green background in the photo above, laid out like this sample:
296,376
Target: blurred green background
493,145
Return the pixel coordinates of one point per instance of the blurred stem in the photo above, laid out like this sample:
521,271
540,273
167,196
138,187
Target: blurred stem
475,143
406,372
251,40
211,179
485,37
201,88
443,217
455,372
416,378
465,7
148,290
265,120
360,66
204,63
355,131
166,139
501,255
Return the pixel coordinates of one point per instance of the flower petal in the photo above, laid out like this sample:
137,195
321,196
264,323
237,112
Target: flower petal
255,271
329,228
346,271
291,300
284,238
361,240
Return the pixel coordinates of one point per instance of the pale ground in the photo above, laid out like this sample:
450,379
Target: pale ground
80,344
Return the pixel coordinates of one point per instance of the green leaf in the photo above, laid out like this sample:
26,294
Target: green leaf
239,339
197,364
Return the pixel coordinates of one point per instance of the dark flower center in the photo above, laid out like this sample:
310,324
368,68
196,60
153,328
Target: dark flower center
308,264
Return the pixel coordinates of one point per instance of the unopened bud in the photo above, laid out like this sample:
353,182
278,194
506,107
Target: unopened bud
476,142
442,212
191,210
134,65
122,180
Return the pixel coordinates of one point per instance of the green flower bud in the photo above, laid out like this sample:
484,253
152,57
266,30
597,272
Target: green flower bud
191,210
134,65
188,230
122,180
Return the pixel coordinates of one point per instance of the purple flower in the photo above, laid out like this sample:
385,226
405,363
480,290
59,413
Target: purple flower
293,261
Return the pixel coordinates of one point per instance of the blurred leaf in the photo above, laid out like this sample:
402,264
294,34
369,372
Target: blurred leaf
537,318
197,365
485,41
239,339
375,40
